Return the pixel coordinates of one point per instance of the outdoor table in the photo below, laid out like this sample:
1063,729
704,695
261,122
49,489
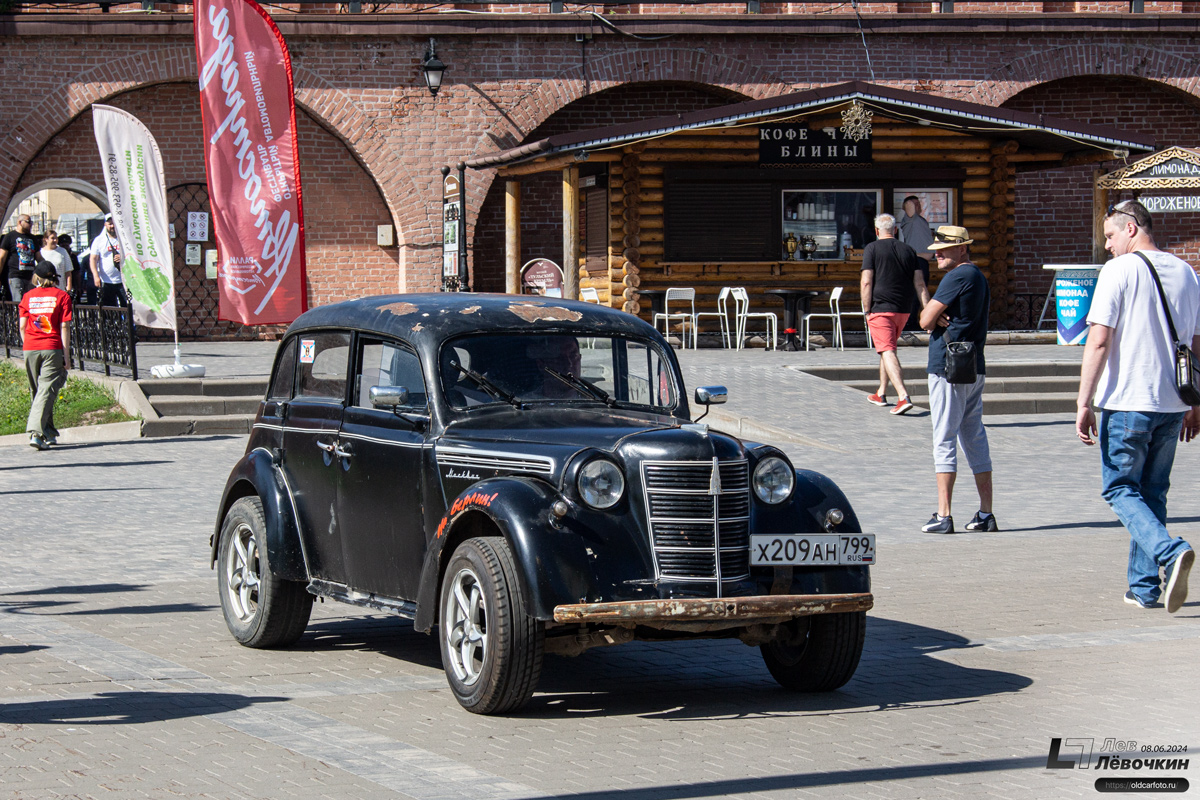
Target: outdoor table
794,300
655,297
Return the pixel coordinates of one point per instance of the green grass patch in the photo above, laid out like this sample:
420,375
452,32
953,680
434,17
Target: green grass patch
80,402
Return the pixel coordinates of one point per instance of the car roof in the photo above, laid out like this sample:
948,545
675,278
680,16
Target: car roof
425,320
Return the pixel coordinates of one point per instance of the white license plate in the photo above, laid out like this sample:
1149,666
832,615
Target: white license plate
812,549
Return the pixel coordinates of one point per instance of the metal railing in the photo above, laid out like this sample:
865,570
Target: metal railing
103,334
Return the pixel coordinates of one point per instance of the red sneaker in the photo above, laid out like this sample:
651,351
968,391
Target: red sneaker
878,400
903,407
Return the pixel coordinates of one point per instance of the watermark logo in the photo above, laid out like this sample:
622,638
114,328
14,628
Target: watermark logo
1070,754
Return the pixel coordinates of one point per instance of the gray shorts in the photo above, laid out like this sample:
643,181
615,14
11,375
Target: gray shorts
957,411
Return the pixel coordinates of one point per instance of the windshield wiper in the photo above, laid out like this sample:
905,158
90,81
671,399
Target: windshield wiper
583,386
489,387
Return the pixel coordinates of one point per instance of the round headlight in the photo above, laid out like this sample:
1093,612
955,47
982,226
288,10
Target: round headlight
773,480
601,483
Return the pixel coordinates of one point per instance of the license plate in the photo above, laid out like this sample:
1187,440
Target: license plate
808,549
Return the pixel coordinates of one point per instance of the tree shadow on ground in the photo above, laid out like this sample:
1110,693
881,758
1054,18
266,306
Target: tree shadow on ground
126,708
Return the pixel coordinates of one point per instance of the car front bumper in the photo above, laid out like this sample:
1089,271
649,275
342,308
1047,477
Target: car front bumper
712,612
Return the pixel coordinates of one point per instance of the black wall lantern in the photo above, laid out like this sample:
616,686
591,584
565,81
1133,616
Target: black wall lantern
432,68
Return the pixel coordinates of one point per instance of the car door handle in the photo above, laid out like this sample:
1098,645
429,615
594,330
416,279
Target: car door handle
343,451
328,447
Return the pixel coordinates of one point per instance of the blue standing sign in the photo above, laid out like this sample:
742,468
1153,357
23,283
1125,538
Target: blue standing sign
1073,289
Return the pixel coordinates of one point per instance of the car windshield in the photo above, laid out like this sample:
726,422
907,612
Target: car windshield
560,368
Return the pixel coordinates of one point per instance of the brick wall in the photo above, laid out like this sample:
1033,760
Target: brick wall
342,205
1054,207
501,86
541,195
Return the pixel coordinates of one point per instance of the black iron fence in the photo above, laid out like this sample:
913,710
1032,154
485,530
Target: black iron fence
1025,312
103,334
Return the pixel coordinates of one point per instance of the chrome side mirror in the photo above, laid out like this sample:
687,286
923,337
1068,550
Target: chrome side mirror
710,396
388,396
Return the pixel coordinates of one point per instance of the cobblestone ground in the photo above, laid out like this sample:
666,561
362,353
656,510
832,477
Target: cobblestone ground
118,678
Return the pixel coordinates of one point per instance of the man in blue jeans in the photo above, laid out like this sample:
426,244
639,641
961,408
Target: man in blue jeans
1129,368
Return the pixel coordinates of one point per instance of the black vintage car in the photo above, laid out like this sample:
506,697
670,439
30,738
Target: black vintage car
524,475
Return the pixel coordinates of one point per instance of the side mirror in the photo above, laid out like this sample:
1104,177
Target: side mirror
388,396
711,395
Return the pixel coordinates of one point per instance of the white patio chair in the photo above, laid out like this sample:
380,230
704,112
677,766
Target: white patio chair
722,314
681,297
842,332
589,295
742,301
834,316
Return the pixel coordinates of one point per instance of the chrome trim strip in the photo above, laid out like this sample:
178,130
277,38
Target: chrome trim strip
494,459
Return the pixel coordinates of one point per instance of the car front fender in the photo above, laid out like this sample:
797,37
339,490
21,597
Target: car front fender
257,474
552,562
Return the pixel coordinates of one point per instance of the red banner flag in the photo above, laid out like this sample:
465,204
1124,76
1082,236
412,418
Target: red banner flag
249,112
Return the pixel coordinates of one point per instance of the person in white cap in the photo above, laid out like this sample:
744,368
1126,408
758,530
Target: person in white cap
105,261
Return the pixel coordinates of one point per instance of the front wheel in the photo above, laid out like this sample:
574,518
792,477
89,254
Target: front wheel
261,610
491,647
822,654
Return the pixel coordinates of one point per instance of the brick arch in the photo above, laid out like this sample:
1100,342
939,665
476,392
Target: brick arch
670,64
26,136
330,107
1078,60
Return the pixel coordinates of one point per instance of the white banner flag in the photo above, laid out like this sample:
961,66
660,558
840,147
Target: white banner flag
137,197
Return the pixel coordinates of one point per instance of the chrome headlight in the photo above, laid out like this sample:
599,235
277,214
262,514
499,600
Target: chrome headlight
773,480
601,483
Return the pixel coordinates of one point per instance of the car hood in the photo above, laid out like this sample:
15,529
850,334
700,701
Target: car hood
543,441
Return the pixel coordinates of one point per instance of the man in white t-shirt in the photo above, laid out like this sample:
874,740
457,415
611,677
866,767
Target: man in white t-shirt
1129,367
106,265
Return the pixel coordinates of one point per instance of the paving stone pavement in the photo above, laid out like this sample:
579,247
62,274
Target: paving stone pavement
118,678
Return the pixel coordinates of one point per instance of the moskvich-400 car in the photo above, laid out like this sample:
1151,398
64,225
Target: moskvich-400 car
523,476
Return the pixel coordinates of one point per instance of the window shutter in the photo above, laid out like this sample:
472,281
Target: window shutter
711,221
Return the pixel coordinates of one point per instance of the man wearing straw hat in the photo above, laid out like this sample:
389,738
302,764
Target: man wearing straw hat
958,312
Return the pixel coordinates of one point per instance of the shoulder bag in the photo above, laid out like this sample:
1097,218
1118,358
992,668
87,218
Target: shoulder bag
1187,367
960,362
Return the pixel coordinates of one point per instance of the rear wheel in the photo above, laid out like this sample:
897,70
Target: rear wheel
491,647
261,610
821,656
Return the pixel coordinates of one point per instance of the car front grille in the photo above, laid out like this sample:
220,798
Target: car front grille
699,523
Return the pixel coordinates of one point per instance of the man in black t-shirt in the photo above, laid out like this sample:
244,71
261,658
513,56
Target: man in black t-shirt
19,254
892,281
958,312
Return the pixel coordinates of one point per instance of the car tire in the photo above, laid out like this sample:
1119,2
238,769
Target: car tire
261,610
491,646
821,658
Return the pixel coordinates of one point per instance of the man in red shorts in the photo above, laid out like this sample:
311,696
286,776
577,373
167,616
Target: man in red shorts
891,281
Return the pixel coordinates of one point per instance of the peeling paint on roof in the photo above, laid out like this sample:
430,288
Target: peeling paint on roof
399,309
470,310
417,328
535,313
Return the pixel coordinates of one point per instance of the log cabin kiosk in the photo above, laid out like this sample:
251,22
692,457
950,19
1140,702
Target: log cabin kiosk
711,198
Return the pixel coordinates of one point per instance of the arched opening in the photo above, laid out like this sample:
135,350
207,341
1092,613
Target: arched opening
541,195
1054,207
342,203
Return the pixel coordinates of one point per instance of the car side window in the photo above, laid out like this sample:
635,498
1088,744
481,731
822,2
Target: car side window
285,374
649,377
387,364
324,361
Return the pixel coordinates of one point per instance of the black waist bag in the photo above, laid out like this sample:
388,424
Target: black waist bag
960,362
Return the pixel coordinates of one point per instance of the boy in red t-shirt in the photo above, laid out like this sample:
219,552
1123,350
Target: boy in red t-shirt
45,324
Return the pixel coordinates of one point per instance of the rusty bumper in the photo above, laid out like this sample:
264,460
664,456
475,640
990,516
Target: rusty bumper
764,608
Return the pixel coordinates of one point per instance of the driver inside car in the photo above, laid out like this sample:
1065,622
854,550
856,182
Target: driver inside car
561,354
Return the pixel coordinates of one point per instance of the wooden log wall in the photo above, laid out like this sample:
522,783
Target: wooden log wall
635,194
